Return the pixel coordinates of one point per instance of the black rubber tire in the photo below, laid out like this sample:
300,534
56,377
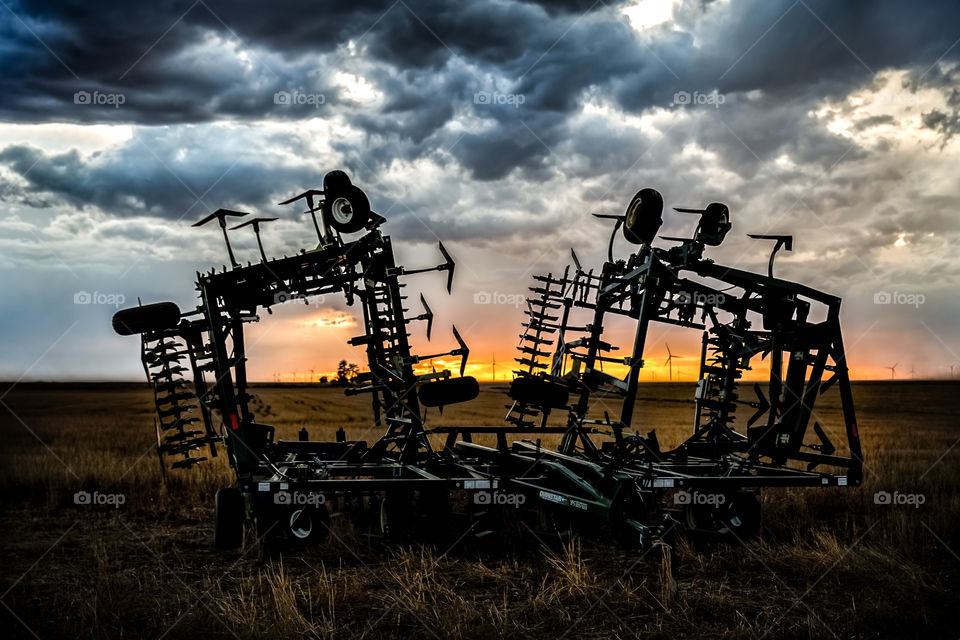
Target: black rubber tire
306,525
435,517
397,522
336,180
539,392
714,224
346,209
229,514
148,317
643,217
446,392
737,518
741,515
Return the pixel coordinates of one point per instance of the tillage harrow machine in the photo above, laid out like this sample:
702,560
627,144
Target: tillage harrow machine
421,482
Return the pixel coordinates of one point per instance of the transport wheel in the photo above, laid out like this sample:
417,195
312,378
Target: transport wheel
228,519
396,515
149,317
643,217
346,209
540,392
307,525
450,391
434,516
740,515
336,180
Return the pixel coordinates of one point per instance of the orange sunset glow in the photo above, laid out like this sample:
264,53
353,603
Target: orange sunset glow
304,347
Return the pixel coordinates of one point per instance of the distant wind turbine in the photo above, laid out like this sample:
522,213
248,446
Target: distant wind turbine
893,371
669,360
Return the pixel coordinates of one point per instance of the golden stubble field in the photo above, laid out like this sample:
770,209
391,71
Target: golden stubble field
830,563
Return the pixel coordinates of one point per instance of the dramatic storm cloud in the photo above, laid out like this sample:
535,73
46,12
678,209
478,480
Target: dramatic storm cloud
495,126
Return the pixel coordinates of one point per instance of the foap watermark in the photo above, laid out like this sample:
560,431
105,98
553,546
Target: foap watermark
698,498
99,98
299,98
899,297
496,297
495,97
698,298
285,296
98,499
112,299
897,498
903,98
698,99
499,498
299,498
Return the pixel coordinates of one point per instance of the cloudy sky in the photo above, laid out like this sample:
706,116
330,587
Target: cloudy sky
495,126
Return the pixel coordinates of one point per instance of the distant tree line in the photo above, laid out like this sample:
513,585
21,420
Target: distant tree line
346,372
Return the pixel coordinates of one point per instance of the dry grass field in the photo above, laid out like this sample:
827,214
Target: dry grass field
830,563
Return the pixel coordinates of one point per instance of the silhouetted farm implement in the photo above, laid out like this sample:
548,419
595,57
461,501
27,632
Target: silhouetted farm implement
604,477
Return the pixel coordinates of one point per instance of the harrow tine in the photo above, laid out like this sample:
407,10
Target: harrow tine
221,216
449,266
463,351
255,223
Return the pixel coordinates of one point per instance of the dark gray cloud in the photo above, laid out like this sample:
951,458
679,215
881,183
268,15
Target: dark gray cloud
430,60
944,123
144,178
551,56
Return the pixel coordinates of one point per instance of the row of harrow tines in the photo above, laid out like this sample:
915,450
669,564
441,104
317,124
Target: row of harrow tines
174,359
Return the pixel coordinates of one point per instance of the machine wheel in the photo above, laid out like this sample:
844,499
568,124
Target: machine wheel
149,317
450,391
307,525
228,519
336,180
346,209
396,515
539,391
741,515
643,217
737,517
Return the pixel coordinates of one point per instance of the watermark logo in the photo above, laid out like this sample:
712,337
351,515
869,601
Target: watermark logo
902,98
698,99
899,297
299,98
299,498
499,498
285,296
697,498
496,297
698,298
86,498
897,498
112,299
497,98
99,98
